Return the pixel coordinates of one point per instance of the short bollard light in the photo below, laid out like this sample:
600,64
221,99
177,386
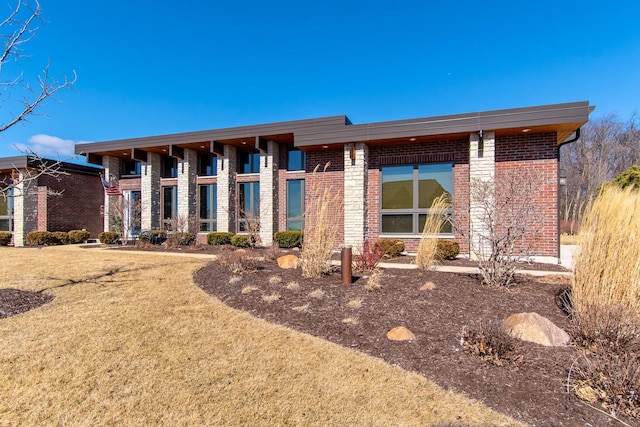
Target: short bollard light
345,265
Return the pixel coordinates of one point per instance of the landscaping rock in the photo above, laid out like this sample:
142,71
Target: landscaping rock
534,328
400,333
288,261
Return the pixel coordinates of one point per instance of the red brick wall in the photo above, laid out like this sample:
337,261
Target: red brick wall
79,205
332,177
456,152
534,157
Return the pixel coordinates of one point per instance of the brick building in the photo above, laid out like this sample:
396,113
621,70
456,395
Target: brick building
70,201
385,173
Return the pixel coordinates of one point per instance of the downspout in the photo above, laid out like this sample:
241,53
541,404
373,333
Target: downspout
569,141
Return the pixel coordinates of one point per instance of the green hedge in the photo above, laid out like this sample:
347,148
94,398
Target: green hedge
78,236
289,239
155,237
240,241
219,238
108,237
39,238
5,238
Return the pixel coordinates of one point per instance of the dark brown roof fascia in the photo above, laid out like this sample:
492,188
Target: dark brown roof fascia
251,131
546,115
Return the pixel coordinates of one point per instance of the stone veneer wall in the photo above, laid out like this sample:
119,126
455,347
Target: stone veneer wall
355,194
481,169
269,161
187,188
150,188
226,189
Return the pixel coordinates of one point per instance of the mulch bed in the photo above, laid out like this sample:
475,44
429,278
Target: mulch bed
532,390
15,301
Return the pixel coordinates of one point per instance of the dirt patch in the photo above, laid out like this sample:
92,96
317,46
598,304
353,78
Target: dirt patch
15,301
532,390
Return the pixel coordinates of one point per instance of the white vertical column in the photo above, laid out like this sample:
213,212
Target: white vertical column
25,210
269,193
481,175
226,189
356,163
187,188
150,189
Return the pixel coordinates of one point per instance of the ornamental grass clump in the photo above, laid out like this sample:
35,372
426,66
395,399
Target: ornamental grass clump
321,227
437,217
605,303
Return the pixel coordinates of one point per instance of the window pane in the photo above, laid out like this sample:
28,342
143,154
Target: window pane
446,227
4,206
397,187
295,204
5,225
434,180
397,223
296,160
205,212
207,165
168,202
169,167
249,163
131,167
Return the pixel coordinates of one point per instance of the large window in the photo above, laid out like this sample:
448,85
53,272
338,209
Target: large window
6,211
207,165
208,207
296,160
131,167
295,204
169,206
248,162
407,195
169,167
248,206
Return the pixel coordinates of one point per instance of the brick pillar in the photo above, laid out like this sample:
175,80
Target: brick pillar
111,171
226,189
269,193
25,210
355,193
481,170
187,188
43,213
150,189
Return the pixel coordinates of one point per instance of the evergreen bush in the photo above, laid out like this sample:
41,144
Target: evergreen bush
108,237
289,239
39,238
447,249
219,238
5,238
392,248
240,241
78,236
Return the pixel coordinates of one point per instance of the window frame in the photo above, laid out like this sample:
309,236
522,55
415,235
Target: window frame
169,170
127,171
166,221
303,160
415,211
250,160
210,223
254,199
8,199
300,218
202,165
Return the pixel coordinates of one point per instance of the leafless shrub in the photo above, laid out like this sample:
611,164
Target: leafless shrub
368,257
238,262
610,379
320,227
490,342
271,254
609,328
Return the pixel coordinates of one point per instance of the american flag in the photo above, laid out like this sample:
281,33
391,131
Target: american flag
109,189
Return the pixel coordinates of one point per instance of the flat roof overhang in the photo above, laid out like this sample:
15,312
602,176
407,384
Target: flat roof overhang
311,134
10,164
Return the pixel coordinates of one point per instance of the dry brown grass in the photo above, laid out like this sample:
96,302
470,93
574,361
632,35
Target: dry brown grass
426,255
135,342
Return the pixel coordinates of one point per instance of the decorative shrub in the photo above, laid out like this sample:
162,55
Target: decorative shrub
39,238
289,239
368,258
237,262
155,237
219,238
5,238
78,236
180,239
392,248
60,237
240,241
447,249
491,343
108,237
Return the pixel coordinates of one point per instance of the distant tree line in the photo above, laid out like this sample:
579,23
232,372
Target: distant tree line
607,147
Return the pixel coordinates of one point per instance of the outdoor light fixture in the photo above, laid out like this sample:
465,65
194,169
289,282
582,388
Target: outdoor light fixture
526,130
412,139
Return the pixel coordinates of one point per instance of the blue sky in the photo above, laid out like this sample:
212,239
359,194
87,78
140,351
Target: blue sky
150,67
